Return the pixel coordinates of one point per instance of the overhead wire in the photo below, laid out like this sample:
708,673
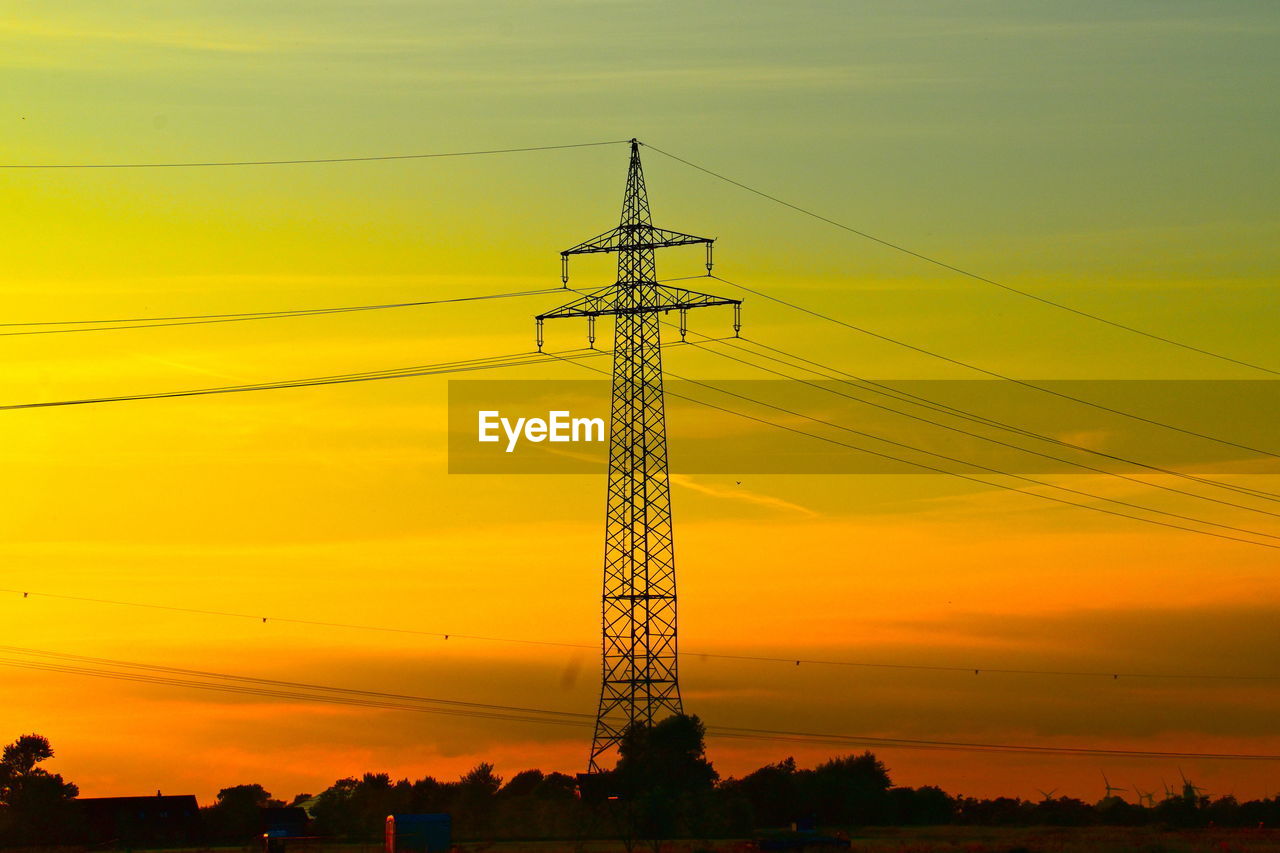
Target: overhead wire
994,374
967,273
933,468
277,683
717,175
163,676
515,360
793,660
307,161
970,746
298,696
902,396
996,441
112,325
999,472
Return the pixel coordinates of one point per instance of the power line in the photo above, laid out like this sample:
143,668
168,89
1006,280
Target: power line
299,696
304,161
968,746
996,375
487,363
996,441
201,319
899,395
705,170
300,691
914,399
975,276
789,661
933,468
256,617
273,683
516,360
999,472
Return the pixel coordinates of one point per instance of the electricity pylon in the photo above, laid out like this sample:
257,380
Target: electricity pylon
639,683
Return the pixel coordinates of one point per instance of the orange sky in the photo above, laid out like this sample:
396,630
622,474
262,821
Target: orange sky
1067,153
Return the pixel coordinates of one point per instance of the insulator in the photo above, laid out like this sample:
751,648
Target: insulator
709,263
737,319
591,332
684,322
539,334
564,270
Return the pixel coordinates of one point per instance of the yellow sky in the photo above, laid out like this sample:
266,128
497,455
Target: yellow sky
1119,161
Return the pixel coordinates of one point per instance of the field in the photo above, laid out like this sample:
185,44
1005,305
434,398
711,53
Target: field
967,840
941,839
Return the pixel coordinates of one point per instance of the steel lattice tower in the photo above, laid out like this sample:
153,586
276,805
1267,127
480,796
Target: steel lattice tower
639,683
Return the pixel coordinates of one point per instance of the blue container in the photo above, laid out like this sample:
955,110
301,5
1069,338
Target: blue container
419,833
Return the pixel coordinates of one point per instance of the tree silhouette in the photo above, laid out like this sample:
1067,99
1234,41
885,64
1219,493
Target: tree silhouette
475,798
852,789
670,755
32,800
522,784
770,793
663,778
237,814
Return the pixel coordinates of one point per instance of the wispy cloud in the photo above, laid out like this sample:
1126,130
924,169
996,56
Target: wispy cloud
739,494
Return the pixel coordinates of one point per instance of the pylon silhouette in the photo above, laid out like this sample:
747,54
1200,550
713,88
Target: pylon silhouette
639,684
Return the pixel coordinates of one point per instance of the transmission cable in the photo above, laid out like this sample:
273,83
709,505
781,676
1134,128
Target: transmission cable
1113,675
242,685
488,363
306,161
996,375
965,746
202,319
975,276
932,468
273,683
989,469
986,438
516,360
901,396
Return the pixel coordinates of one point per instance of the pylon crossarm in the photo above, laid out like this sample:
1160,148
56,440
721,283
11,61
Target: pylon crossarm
606,302
679,297
626,237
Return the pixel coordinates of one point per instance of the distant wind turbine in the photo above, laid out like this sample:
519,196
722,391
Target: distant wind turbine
1190,792
1110,788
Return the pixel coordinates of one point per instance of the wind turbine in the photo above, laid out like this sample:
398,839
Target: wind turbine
1110,788
1144,797
1048,795
1190,792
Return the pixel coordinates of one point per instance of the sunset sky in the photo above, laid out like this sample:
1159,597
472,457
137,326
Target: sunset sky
1118,158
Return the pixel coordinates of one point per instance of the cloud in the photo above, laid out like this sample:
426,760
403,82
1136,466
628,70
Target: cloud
739,494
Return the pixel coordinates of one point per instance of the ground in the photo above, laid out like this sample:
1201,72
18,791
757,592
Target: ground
941,839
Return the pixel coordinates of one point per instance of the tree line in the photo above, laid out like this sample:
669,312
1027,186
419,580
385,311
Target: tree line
662,787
